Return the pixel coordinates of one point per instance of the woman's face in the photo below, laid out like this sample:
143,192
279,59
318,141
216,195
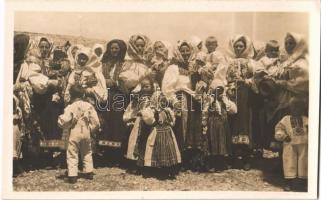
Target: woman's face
289,44
239,48
159,48
82,59
140,45
185,51
98,51
44,48
114,49
272,52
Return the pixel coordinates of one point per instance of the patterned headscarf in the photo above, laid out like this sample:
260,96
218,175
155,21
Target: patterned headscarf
107,55
177,56
195,41
133,52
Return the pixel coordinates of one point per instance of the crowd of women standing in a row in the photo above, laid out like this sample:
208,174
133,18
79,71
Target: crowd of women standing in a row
213,109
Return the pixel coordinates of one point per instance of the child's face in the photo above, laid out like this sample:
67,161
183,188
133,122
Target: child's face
82,59
185,51
98,51
211,46
147,87
272,52
140,45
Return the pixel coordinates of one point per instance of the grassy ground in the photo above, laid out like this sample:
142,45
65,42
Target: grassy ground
261,178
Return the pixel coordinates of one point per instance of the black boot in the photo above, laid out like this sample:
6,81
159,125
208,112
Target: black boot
302,185
288,186
72,179
89,176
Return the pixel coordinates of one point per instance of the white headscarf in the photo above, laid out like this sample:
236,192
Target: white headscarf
99,46
195,41
248,51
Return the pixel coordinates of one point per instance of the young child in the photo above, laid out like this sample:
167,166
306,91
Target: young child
215,125
292,130
271,60
132,116
81,119
162,151
85,75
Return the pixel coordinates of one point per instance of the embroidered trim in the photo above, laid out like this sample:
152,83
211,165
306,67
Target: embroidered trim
109,143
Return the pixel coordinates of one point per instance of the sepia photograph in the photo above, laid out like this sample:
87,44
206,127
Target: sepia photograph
169,101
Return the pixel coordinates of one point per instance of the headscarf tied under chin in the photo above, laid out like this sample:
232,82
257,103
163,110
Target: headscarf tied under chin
166,52
248,51
45,39
93,61
121,56
301,49
133,51
71,57
177,56
98,46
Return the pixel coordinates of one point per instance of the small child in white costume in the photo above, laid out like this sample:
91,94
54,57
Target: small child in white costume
81,119
292,130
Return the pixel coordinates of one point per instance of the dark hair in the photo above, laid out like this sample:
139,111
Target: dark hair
43,39
122,53
21,42
272,44
184,44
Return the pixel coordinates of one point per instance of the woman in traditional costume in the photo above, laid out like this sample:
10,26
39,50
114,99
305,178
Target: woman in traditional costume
178,86
239,76
114,131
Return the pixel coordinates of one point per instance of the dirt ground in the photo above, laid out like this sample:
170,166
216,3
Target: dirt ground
260,178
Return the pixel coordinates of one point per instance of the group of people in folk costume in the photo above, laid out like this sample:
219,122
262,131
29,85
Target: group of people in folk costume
153,105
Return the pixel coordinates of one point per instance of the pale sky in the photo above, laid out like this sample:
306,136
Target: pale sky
164,26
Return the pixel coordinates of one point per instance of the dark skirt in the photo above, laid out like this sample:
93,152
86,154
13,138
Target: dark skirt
47,113
188,127
165,152
114,131
241,123
219,135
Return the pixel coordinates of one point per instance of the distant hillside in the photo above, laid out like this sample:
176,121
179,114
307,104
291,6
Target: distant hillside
61,39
